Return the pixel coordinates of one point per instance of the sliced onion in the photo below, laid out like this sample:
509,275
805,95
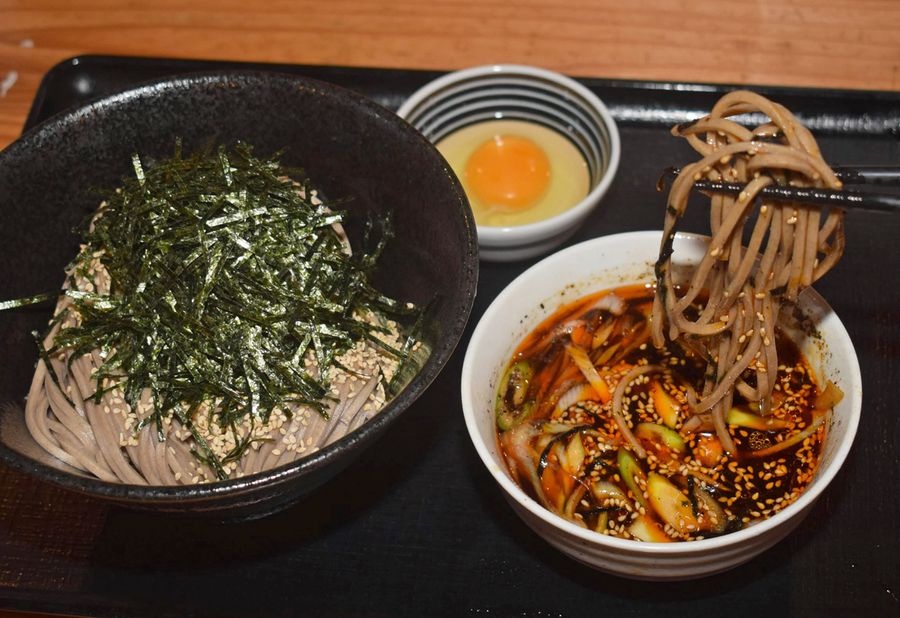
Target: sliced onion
584,363
795,439
518,440
576,394
611,303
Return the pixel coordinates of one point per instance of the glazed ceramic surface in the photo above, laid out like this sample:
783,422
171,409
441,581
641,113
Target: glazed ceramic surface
348,146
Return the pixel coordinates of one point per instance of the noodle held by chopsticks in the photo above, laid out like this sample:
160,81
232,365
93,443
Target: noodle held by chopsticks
728,309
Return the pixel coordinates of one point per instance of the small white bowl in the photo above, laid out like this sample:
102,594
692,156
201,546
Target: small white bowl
604,263
515,92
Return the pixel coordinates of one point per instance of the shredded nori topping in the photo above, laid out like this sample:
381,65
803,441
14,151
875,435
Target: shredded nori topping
225,276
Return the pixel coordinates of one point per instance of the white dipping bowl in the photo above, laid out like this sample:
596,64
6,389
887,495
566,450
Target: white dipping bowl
604,263
515,92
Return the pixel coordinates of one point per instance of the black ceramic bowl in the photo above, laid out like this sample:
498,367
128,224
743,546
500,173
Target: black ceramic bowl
348,146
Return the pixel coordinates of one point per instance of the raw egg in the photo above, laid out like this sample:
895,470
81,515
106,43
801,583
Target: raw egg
516,172
508,172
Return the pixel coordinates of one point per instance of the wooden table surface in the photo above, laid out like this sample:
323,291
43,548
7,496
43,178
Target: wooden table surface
822,43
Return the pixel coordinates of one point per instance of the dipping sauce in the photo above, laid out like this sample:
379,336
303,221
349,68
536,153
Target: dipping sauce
588,373
516,172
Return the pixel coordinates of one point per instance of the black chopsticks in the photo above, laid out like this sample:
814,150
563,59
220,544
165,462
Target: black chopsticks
842,198
869,175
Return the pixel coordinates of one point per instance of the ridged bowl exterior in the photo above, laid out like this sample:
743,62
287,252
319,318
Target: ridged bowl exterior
515,92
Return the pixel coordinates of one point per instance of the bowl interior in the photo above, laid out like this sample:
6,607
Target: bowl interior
516,92
348,146
609,262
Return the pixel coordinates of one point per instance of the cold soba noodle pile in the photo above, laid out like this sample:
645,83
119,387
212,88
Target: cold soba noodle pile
214,324
684,410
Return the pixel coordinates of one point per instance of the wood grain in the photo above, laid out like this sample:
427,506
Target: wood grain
824,43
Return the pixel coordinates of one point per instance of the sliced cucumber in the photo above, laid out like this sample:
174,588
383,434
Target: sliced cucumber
661,435
574,455
517,377
605,493
631,471
644,528
666,406
712,516
572,502
671,504
742,418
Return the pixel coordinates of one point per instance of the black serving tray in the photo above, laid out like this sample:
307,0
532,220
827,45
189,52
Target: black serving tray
417,527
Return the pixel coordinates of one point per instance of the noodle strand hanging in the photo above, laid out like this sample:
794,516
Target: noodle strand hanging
790,246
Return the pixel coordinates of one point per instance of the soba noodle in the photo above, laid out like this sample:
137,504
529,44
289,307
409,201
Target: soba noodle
102,438
205,412
728,310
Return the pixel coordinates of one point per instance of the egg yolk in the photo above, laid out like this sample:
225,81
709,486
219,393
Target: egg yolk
508,172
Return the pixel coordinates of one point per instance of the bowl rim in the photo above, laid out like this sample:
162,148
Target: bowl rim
554,262
69,120
514,235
